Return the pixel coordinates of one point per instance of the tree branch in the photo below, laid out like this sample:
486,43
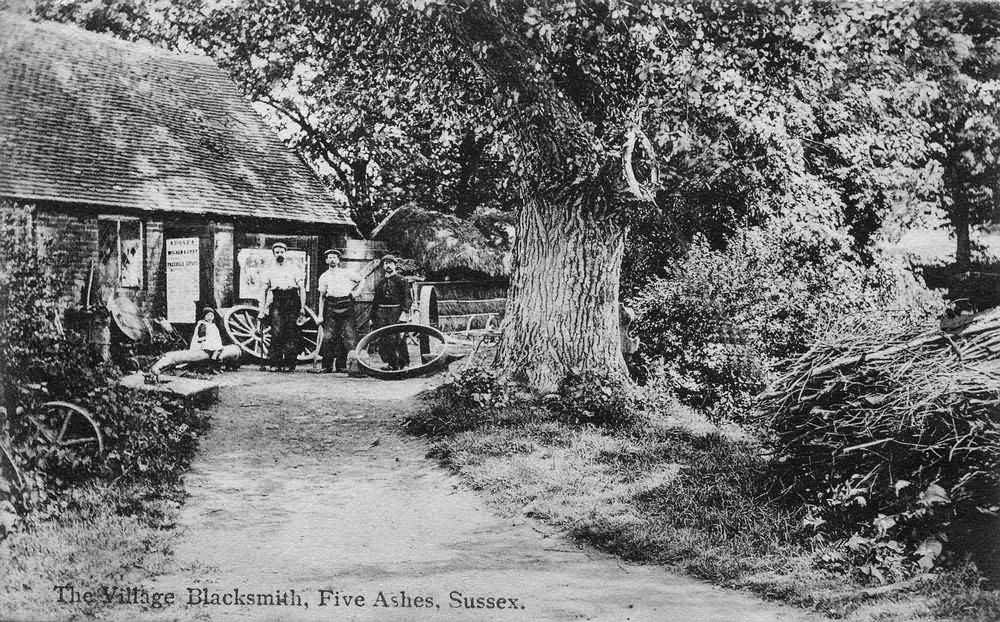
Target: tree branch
327,147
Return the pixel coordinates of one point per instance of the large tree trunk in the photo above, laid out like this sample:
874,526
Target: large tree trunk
562,309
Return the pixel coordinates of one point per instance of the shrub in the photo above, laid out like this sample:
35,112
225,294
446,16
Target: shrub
595,399
474,398
465,401
148,438
721,320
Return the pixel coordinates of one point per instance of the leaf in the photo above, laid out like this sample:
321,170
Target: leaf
930,546
883,524
934,495
856,542
929,550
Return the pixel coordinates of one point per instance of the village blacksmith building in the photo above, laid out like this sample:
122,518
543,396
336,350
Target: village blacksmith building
149,173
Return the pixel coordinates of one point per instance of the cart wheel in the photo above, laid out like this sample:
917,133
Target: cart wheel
254,336
69,426
436,357
247,331
8,468
312,337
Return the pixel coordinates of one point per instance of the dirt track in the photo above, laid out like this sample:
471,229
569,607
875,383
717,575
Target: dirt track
304,483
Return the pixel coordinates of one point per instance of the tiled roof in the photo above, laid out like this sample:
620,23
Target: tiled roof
86,118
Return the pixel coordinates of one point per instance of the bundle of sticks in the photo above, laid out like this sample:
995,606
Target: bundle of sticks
870,410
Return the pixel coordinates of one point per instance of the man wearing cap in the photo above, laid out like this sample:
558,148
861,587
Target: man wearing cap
287,288
391,305
336,312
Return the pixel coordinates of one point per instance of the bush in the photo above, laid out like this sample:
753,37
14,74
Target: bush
465,401
474,398
723,319
148,438
595,399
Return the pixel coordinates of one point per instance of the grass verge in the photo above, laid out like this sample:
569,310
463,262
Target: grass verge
104,535
663,493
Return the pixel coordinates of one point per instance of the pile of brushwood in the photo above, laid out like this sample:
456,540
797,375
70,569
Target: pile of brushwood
892,442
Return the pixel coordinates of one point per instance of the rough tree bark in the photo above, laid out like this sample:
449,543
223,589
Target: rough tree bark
561,312
562,309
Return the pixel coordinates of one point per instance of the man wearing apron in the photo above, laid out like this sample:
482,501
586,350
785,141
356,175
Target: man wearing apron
391,305
286,285
336,312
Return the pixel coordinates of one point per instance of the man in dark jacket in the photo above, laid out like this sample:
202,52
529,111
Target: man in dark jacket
391,305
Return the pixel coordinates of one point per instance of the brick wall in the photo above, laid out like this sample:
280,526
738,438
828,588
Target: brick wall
67,236
68,239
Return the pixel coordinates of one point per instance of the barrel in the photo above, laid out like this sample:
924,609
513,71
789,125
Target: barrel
363,256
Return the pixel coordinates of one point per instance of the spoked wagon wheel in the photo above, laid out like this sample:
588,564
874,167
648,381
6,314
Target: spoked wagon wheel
253,335
311,336
247,331
66,425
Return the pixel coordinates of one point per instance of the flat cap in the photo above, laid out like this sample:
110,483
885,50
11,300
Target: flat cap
388,258
332,250
279,245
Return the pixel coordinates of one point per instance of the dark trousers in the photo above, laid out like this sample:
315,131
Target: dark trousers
339,333
392,348
285,341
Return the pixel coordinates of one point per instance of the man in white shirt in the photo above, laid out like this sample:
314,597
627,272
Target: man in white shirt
287,288
336,312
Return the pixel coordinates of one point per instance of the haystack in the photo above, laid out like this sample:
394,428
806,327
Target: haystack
444,245
905,426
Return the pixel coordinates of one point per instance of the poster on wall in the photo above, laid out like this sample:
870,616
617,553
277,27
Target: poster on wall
182,279
129,253
253,262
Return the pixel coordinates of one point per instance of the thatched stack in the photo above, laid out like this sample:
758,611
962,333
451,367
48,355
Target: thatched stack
442,244
889,418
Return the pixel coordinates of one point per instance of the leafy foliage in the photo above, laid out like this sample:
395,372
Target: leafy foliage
853,120
600,400
957,48
147,438
359,89
721,320
467,400
475,398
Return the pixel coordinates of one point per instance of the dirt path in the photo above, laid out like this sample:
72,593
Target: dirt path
304,483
